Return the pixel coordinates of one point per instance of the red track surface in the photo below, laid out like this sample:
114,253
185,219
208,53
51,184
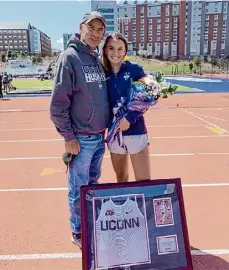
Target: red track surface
34,220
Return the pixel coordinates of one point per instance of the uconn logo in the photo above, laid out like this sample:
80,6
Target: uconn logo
113,225
110,212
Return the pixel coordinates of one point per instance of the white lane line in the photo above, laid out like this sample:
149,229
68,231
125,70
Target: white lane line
212,117
188,137
24,110
65,189
169,118
28,141
171,126
209,123
150,137
210,252
32,189
108,156
40,256
25,129
211,109
79,255
13,122
34,129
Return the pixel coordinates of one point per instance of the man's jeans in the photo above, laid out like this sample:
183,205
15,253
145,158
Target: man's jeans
85,169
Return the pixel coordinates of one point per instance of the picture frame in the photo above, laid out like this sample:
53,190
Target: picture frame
103,220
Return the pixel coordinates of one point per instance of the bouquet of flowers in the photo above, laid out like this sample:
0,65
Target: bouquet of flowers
143,94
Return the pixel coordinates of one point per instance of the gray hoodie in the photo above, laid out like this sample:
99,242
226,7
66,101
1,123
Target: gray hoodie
79,102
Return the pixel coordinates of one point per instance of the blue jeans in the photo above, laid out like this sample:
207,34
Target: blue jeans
84,169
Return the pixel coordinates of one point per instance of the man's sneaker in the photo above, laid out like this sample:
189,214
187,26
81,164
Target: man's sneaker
76,239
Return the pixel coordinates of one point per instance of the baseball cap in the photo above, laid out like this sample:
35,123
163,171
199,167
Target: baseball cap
93,15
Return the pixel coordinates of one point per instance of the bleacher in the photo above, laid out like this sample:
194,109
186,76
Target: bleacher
32,71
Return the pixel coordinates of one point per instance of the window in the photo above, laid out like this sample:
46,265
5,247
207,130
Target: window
109,17
106,10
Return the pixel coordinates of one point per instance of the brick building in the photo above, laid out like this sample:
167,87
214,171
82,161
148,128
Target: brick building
23,37
171,28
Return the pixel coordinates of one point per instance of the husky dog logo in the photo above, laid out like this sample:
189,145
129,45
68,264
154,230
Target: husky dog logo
126,75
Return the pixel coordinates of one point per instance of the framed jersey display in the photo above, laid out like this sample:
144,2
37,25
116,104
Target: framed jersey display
134,226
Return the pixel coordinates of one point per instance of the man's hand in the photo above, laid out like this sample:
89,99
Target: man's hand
123,125
72,147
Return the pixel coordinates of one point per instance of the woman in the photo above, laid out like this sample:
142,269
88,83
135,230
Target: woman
120,74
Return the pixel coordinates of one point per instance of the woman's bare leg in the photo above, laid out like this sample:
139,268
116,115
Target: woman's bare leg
120,166
141,164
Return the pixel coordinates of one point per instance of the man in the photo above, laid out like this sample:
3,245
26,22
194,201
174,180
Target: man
1,94
80,112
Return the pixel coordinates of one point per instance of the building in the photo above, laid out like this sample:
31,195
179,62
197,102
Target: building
176,28
23,37
45,42
109,11
65,40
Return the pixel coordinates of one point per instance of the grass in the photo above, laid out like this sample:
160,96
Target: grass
167,67
182,88
35,84
32,84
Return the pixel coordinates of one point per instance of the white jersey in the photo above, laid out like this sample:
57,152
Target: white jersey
121,235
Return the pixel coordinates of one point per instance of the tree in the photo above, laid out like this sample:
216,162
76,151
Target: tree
205,58
197,62
23,54
213,63
9,54
3,58
227,59
190,66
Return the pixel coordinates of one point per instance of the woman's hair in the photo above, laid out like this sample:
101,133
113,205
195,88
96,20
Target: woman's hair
115,36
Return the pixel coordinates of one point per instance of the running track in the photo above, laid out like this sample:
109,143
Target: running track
190,141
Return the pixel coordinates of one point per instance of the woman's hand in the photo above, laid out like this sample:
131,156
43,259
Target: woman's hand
123,125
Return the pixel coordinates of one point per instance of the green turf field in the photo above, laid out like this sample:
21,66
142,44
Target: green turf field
32,84
36,84
184,88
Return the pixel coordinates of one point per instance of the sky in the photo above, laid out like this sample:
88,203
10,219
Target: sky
51,17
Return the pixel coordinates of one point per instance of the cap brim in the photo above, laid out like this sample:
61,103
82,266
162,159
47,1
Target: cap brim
94,18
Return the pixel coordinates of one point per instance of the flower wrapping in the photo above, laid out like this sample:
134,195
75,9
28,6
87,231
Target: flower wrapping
142,95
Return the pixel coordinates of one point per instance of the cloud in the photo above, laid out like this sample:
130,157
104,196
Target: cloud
60,40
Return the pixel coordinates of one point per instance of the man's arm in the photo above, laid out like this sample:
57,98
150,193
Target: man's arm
60,100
